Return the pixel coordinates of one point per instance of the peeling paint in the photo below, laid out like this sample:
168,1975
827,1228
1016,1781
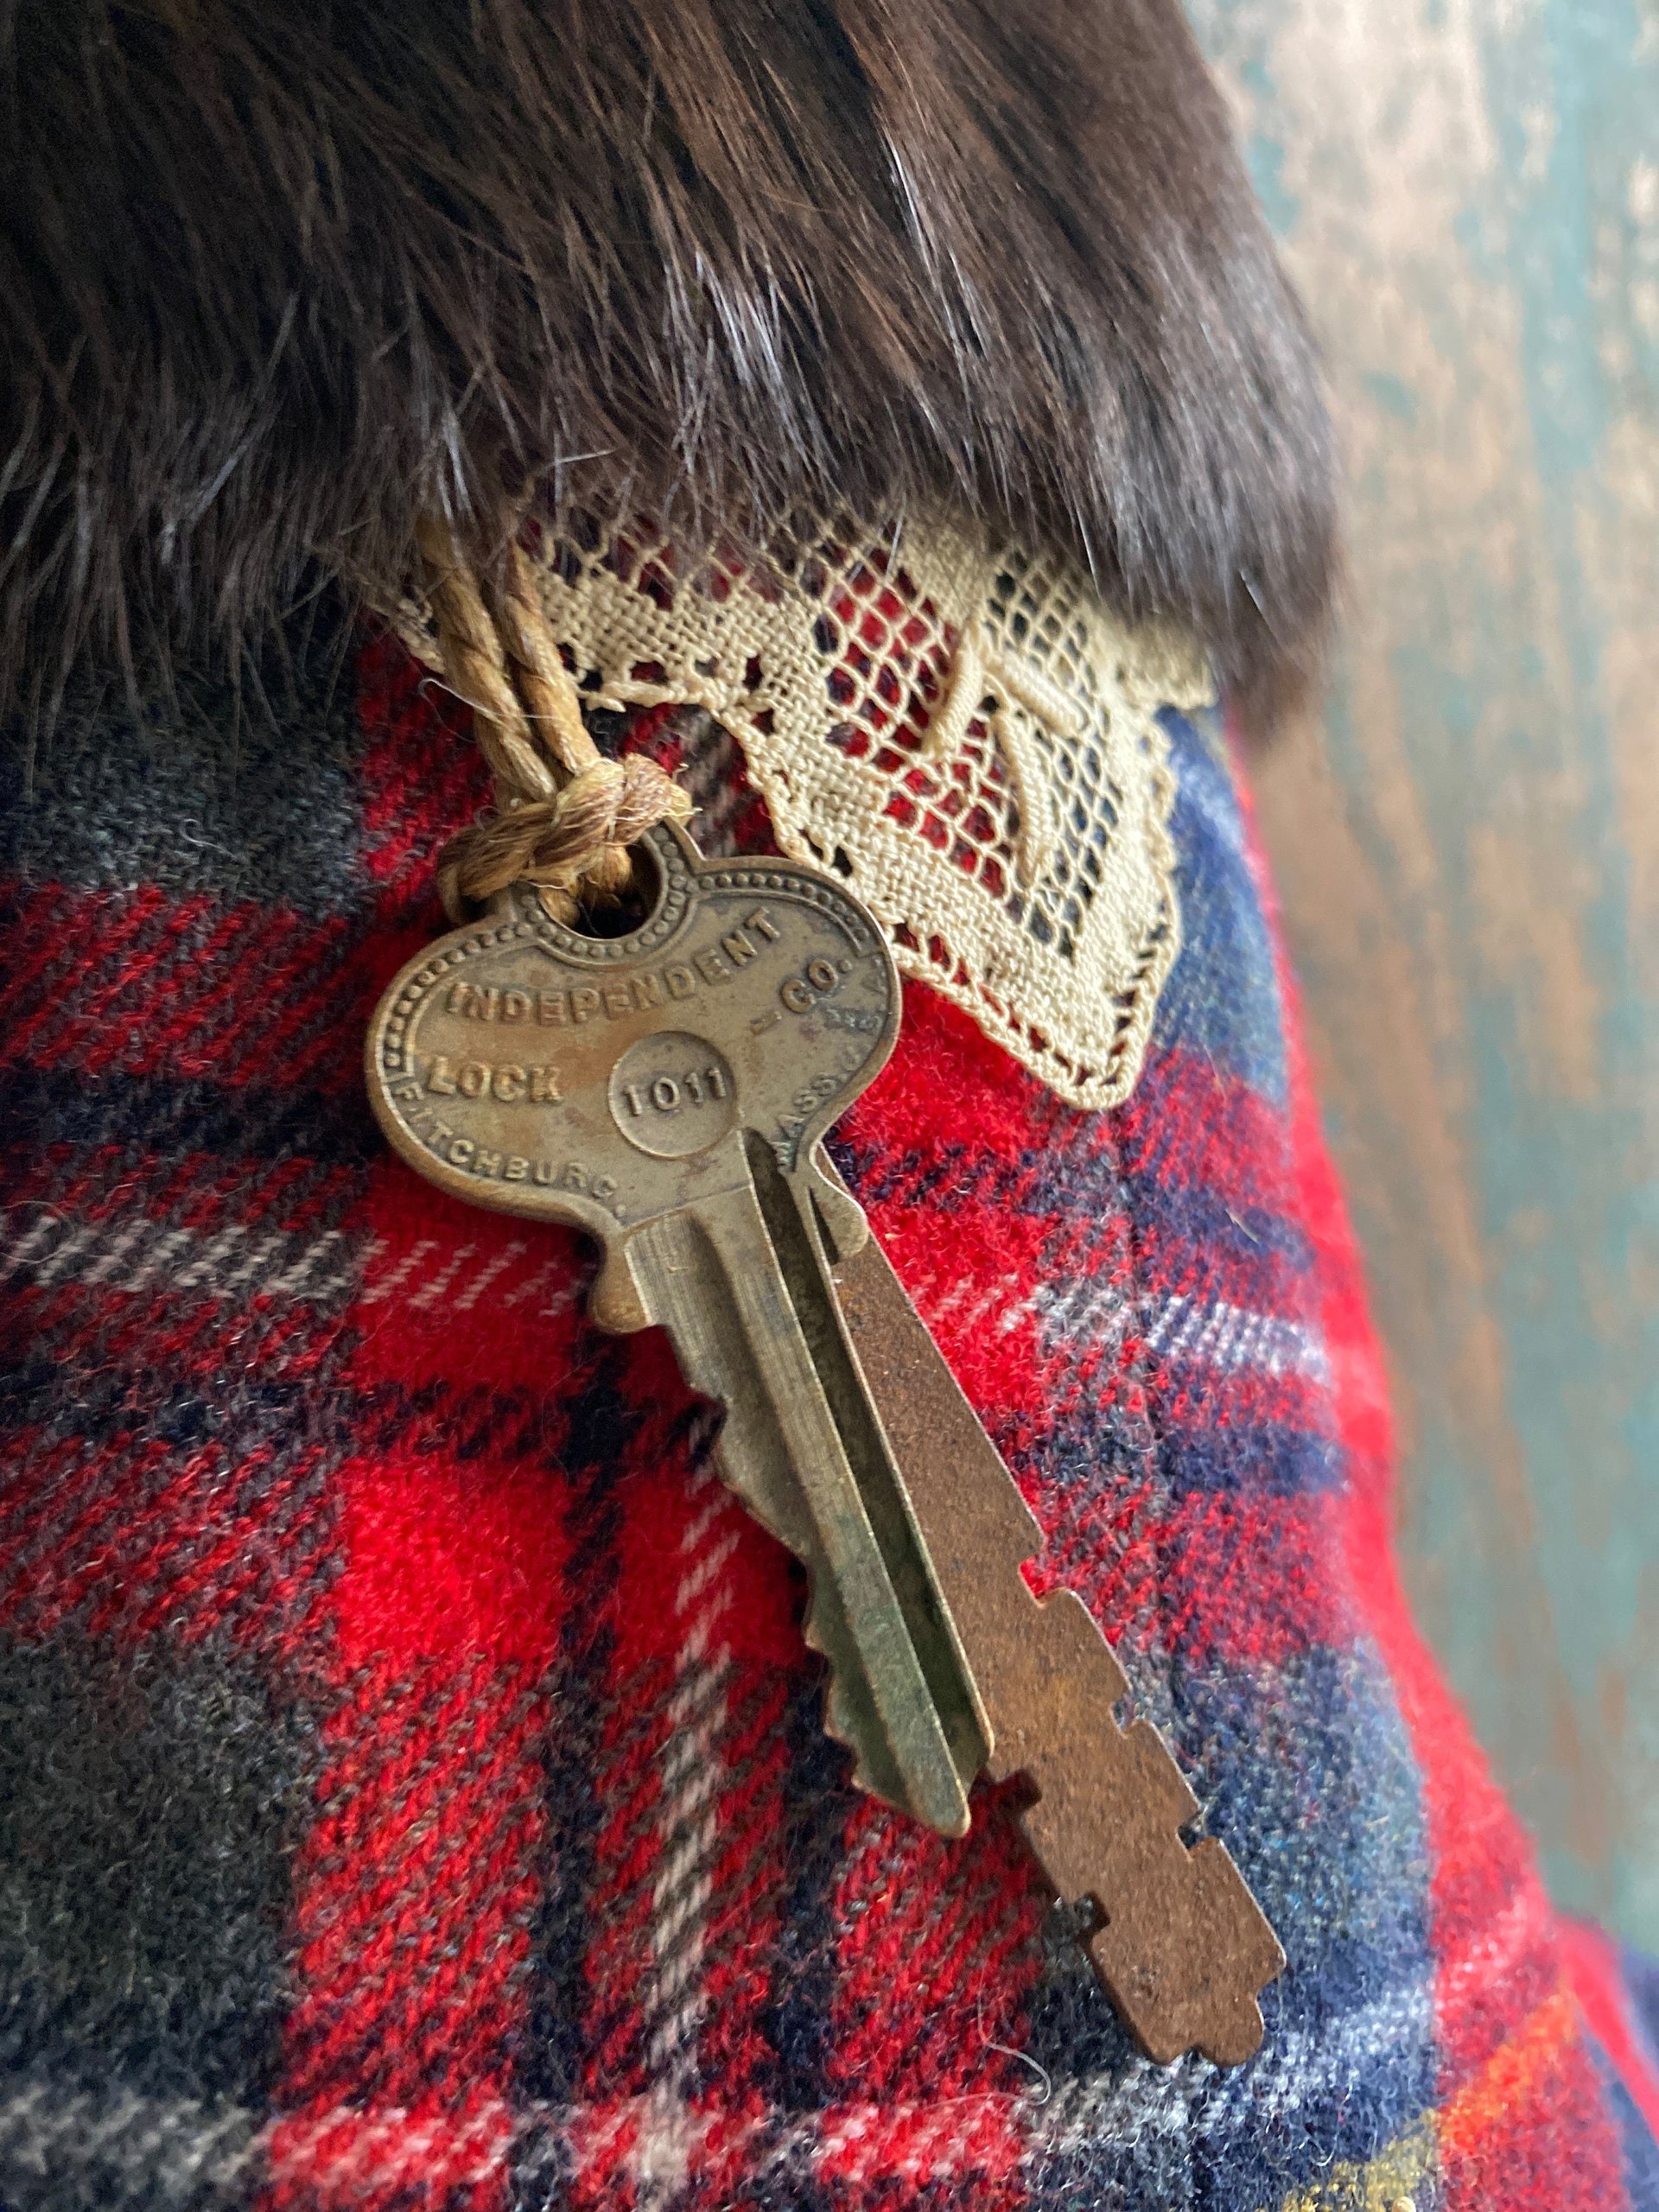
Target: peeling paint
1468,193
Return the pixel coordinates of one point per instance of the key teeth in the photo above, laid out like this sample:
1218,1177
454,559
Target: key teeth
947,1812
840,1730
837,1723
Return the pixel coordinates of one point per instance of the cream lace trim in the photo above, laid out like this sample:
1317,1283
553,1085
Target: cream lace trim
961,732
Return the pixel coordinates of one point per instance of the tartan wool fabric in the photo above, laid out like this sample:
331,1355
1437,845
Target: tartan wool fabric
412,1785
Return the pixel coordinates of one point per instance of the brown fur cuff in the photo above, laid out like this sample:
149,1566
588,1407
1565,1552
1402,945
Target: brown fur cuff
277,275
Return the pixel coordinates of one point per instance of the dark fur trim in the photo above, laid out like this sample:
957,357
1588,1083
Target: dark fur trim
277,271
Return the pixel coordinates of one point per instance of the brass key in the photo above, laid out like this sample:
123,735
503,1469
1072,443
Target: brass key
1179,1943
666,1093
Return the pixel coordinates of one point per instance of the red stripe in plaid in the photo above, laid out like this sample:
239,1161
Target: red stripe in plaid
105,1182
1200,1404
415,1885
343,2158
1009,1278
680,1550
1213,1577
454,1294
189,1336
233,989
126,1533
1529,2129
1192,1129
1592,1963
938,1947
73,954
950,2155
1235,1582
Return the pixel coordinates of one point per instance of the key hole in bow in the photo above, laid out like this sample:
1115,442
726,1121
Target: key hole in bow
632,908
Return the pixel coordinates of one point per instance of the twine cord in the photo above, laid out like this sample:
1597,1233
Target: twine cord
567,815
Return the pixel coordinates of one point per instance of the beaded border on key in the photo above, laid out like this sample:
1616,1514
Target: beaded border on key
679,877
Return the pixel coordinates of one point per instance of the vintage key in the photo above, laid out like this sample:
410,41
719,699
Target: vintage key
1180,1943
666,1091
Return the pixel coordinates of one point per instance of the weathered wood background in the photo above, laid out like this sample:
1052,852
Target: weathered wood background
1468,193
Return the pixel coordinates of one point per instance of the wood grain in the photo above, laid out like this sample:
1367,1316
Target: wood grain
1468,849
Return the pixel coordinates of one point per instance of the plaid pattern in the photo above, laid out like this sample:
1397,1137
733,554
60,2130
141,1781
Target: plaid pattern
413,1791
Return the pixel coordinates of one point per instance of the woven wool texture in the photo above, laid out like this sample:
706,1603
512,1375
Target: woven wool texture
412,1789
963,731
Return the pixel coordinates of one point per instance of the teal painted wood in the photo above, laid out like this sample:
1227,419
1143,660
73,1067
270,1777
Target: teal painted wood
1468,192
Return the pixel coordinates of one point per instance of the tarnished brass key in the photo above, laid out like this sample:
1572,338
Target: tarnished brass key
664,1092
1179,1941
667,1091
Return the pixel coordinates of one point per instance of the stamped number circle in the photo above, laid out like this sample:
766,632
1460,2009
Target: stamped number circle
673,1095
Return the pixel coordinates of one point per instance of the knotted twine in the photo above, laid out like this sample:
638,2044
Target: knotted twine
567,815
